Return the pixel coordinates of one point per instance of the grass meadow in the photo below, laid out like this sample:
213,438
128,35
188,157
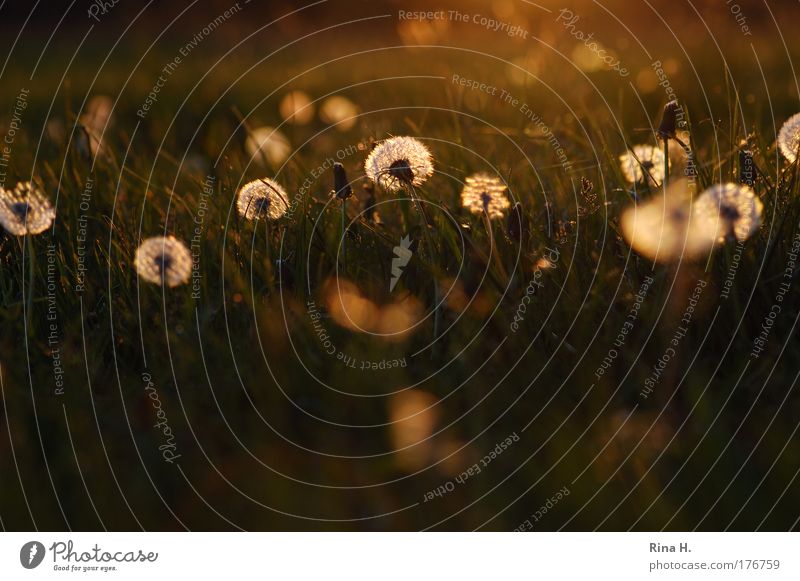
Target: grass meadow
620,393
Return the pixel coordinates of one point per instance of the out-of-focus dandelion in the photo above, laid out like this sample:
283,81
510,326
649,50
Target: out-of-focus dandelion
422,32
262,199
413,416
267,144
25,209
731,211
644,432
484,193
348,307
164,260
398,319
351,309
586,59
665,229
399,161
95,119
524,70
455,297
789,138
56,131
339,111
643,163
296,107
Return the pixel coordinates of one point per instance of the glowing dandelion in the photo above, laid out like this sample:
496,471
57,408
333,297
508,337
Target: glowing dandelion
665,228
730,211
643,163
25,210
399,161
485,193
163,260
789,138
262,198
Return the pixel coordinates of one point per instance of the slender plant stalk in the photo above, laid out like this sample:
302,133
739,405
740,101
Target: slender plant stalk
344,238
433,256
31,271
492,249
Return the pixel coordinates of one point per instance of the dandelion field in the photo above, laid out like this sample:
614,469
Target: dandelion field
522,332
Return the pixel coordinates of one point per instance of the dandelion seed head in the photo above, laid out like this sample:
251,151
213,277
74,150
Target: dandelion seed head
730,210
485,193
666,228
789,138
262,199
643,163
399,161
25,210
163,260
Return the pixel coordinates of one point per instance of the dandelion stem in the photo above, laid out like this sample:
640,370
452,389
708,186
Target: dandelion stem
433,255
31,271
344,238
666,163
270,277
495,256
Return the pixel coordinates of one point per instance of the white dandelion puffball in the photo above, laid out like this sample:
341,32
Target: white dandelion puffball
25,210
485,193
789,138
164,260
399,161
262,199
643,163
730,210
339,111
665,228
268,143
